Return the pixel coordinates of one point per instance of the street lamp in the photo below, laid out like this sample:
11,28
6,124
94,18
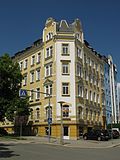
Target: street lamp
61,134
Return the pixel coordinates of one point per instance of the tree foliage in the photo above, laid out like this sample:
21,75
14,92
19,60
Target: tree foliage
10,83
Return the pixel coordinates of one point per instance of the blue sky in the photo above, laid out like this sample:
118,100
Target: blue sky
22,21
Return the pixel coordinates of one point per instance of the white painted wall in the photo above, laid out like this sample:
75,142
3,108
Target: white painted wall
62,78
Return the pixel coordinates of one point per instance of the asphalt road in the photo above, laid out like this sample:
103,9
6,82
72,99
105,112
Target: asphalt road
52,152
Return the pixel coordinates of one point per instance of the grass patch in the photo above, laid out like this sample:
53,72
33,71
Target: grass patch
12,138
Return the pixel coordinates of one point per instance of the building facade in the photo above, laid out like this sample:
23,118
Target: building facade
65,66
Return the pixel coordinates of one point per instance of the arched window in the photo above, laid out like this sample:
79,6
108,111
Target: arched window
65,111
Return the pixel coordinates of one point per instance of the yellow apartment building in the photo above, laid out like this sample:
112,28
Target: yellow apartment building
65,66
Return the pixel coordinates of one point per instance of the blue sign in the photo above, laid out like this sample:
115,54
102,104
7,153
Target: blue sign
22,93
49,120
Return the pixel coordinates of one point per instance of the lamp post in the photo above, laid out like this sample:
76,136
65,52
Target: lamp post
61,134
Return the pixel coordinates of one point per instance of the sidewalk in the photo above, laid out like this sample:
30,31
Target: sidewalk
76,143
67,143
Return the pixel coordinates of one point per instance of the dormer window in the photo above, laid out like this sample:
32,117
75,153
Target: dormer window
49,36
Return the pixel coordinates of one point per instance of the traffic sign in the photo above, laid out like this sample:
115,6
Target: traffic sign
49,120
22,93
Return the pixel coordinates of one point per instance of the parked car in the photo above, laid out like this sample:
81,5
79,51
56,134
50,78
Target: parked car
114,134
96,135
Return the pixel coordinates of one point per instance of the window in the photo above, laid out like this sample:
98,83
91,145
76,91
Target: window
79,53
96,67
37,113
65,68
49,36
25,80
48,112
38,93
32,77
79,70
86,75
65,111
32,60
31,95
90,95
80,90
31,113
86,93
98,98
48,70
65,49
26,64
21,65
65,88
91,114
80,112
92,63
38,57
37,74
49,52
48,89
94,97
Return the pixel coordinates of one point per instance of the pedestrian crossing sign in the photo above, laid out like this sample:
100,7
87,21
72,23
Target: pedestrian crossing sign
22,93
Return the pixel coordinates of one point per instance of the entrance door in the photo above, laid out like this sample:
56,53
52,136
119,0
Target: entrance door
66,132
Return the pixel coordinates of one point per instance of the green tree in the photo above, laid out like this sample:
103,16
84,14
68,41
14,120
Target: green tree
10,83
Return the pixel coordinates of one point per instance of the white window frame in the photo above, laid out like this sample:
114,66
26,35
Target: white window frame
37,74
65,111
79,52
91,95
65,68
80,90
65,88
25,80
25,63
79,70
48,90
37,93
21,65
38,57
32,95
48,70
32,77
33,60
65,48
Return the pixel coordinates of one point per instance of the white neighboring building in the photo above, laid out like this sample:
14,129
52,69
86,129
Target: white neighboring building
113,89
118,95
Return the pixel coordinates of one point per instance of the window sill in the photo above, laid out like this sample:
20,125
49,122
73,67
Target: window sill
65,74
65,95
65,54
47,58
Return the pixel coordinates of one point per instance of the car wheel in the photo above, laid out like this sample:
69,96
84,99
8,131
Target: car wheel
99,138
85,137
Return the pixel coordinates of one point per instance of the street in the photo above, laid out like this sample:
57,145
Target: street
32,151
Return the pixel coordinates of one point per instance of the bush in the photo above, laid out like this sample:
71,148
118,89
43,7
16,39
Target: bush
3,132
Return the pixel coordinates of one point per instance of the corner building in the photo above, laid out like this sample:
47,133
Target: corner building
64,65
